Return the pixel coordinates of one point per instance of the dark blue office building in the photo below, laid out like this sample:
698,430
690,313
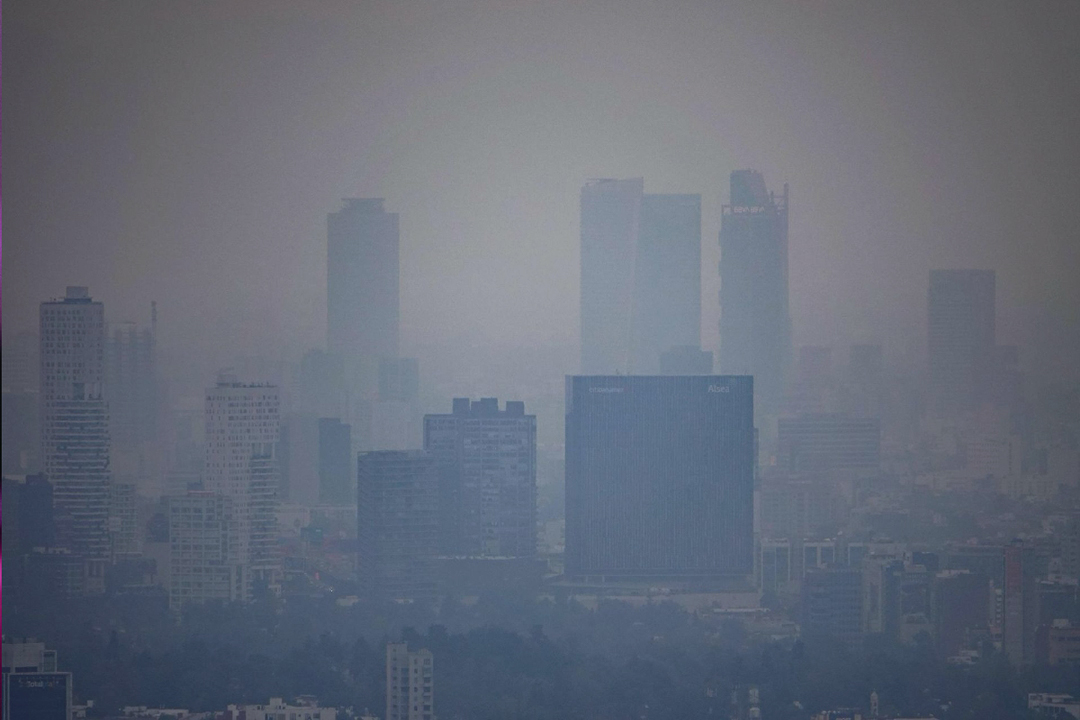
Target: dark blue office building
659,477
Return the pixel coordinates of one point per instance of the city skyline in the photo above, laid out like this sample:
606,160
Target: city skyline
867,232
778,298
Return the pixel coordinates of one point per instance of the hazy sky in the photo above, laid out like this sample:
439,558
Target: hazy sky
188,152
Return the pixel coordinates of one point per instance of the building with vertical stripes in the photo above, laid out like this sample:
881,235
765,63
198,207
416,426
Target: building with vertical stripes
75,427
397,524
487,478
659,477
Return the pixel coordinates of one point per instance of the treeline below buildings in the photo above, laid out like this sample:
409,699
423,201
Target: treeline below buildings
508,657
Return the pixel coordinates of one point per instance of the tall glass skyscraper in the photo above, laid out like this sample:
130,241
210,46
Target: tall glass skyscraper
640,276
362,288
755,324
75,428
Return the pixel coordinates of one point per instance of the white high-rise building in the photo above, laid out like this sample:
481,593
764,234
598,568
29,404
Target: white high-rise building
242,431
410,685
200,566
75,427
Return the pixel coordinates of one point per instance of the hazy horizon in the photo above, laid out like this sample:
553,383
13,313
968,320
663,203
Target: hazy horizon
189,154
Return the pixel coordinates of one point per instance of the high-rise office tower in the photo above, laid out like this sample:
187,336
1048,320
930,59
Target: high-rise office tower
336,486
755,324
410,683
610,215
201,566
75,425
242,434
862,387
397,524
131,383
396,420
362,289
299,459
487,478
659,476
640,276
1020,603
960,338
667,279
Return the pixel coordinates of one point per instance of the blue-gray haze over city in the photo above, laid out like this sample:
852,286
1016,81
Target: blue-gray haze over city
487,359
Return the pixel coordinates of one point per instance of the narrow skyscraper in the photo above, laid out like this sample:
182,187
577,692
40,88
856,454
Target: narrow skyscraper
610,214
362,288
131,382
640,276
659,477
336,484
755,324
960,338
75,427
667,279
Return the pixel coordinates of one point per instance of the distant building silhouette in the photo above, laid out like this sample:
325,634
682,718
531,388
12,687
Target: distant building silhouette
640,276
298,456
396,420
659,476
398,527
832,604
336,486
131,382
960,333
28,517
686,360
667,279
487,478
755,324
75,426
362,289
610,217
